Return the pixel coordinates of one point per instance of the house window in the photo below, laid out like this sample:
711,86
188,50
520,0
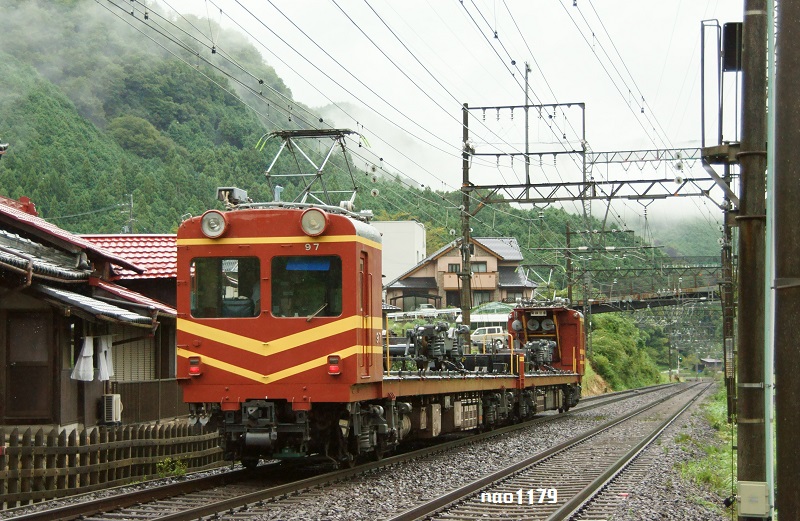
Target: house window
453,268
479,297
513,296
478,267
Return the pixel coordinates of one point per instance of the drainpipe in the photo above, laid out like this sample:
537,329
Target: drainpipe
28,272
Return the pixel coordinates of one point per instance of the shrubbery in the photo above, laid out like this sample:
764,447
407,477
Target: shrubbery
618,353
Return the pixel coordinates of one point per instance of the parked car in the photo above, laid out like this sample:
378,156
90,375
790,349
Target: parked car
489,335
426,310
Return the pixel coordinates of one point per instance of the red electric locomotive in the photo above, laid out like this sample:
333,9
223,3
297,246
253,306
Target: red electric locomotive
280,346
279,343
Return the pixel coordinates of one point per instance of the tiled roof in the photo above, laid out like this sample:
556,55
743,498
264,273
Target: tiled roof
510,277
134,297
45,231
505,247
93,306
157,254
415,283
21,254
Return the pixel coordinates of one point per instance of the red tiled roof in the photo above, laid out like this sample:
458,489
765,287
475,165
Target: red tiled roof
66,240
158,254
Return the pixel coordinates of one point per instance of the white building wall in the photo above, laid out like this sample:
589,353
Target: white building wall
403,246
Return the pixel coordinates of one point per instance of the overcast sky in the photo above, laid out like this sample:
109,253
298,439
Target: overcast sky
398,72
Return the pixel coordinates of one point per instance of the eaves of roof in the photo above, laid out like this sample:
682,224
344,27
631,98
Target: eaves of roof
132,297
23,255
45,231
92,306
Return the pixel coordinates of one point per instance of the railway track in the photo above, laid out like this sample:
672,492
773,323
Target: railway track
579,479
233,491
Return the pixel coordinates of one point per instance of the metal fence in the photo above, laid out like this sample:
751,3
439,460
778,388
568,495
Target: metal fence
36,466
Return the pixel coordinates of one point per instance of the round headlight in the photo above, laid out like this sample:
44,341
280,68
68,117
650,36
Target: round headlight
314,221
213,224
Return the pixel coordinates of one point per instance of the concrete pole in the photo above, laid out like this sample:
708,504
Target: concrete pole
466,265
787,267
751,456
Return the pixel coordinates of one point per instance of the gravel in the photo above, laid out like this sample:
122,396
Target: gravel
662,495
394,490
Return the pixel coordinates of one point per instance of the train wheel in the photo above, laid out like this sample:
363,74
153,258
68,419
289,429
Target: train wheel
249,463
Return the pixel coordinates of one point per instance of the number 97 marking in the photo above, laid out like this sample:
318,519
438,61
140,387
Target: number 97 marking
314,245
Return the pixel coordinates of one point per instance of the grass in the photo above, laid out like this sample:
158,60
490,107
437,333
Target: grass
592,384
716,470
169,467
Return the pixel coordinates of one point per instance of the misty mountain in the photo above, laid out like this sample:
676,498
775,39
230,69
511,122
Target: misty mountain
101,110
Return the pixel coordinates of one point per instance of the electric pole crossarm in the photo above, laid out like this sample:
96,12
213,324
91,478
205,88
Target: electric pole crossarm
643,156
642,189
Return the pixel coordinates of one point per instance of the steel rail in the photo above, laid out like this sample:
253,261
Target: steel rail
123,500
445,500
577,502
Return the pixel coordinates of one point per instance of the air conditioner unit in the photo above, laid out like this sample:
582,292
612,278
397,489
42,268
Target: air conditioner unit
112,408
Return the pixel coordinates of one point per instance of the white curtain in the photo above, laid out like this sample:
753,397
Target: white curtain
105,363
84,365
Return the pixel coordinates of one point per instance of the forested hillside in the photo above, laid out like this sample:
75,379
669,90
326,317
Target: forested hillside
97,115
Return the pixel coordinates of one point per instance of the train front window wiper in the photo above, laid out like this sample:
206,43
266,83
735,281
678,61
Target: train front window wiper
317,312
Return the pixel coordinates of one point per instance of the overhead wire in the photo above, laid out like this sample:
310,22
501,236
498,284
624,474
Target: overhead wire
224,54
168,36
486,39
377,112
223,72
647,114
400,69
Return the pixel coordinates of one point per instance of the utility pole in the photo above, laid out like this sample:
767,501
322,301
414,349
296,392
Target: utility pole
787,269
570,273
751,455
466,266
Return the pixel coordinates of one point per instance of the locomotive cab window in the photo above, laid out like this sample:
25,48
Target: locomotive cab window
226,287
307,286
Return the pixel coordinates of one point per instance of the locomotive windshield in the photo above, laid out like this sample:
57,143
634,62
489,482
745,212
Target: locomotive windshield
226,287
306,286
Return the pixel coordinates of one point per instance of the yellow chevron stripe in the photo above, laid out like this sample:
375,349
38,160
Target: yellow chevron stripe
279,375
251,375
278,240
277,345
